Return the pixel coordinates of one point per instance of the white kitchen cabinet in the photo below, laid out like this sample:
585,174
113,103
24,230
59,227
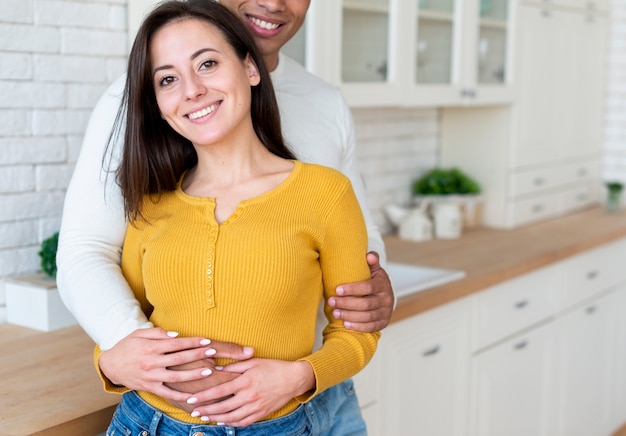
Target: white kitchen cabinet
425,367
368,384
618,359
539,157
513,386
413,53
584,349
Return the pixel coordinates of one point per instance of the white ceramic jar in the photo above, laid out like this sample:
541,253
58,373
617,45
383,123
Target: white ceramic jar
447,217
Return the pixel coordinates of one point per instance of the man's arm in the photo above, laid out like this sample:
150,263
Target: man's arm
89,278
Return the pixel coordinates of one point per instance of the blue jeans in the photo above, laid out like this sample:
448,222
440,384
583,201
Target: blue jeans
334,412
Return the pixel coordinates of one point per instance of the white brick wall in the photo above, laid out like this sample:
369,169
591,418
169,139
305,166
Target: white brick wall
56,59
615,132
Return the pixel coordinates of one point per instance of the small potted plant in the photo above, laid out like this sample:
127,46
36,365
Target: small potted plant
48,255
451,185
614,194
33,300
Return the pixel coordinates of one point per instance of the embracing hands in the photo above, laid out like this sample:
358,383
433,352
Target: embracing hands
365,306
154,360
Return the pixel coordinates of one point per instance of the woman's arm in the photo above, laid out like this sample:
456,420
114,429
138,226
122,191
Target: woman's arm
367,305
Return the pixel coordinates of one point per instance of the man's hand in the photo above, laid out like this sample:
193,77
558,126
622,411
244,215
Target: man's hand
365,306
143,361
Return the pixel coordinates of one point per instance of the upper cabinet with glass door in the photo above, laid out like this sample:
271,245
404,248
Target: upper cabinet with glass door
413,52
462,52
355,44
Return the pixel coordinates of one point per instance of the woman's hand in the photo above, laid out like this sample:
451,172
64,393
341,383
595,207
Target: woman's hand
144,360
263,387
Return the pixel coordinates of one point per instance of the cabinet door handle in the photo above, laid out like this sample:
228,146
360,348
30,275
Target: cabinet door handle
591,310
521,345
582,172
539,181
431,352
537,208
521,304
591,275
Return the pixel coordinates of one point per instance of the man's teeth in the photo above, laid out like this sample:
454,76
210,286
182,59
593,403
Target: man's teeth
264,24
203,112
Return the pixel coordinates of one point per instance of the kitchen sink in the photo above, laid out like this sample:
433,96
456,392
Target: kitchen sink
409,279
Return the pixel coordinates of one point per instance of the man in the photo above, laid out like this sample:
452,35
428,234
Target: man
317,125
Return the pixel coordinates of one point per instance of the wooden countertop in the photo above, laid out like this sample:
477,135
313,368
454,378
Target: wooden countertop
491,256
48,384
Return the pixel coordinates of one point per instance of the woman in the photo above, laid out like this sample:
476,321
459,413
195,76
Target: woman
230,235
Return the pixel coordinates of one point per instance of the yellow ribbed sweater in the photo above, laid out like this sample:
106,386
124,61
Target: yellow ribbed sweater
257,278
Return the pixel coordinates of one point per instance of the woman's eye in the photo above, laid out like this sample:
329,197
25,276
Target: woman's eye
208,64
166,81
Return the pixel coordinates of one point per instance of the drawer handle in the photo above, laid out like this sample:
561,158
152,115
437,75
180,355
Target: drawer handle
521,345
581,197
591,310
521,304
539,181
431,352
591,275
582,172
537,208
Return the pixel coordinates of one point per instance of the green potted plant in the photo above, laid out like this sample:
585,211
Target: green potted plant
48,255
614,194
33,300
451,185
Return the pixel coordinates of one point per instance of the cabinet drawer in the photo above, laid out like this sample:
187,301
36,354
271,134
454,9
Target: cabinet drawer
586,170
578,197
593,272
530,181
533,209
514,305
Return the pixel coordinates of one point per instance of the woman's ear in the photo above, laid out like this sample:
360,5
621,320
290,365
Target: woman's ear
252,70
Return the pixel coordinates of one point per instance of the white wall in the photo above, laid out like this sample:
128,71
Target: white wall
56,58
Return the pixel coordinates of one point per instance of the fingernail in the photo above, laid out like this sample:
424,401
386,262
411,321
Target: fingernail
210,352
204,418
221,423
195,414
337,314
219,368
331,302
206,372
340,290
204,342
347,324
248,350
192,400
172,334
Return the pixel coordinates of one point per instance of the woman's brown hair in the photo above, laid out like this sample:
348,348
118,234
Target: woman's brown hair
154,156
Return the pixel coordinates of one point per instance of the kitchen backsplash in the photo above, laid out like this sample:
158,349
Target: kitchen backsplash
394,147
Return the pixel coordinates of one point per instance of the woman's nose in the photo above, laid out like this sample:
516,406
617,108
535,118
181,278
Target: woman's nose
194,88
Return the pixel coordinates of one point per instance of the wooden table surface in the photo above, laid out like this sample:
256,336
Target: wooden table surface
491,256
48,384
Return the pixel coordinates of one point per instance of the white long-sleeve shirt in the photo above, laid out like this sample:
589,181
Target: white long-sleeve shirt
317,126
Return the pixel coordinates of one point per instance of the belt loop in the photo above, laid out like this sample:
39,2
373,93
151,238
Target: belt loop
154,424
